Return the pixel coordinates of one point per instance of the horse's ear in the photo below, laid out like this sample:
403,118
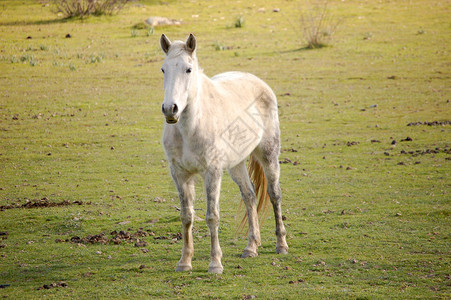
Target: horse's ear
165,43
191,43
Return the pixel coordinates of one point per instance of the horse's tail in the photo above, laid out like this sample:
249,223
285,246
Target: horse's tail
258,178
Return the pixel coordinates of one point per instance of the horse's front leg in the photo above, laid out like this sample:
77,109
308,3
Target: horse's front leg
185,187
212,181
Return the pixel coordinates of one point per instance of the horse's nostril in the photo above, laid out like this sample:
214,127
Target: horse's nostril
174,108
162,108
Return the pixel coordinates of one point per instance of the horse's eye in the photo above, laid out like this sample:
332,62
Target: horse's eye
188,70
162,70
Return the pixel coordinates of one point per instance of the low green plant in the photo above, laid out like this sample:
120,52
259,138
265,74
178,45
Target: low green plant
218,46
239,22
318,25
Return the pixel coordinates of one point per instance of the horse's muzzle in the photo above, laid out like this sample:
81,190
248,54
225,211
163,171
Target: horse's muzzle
170,113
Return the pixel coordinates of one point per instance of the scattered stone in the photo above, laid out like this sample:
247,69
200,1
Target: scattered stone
407,139
68,36
394,142
349,144
433,123
392,77
375,141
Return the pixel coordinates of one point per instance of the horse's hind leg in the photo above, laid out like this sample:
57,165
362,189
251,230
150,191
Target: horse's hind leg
185,187
240,175
270,162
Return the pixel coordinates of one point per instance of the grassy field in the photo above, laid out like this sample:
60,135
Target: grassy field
367,204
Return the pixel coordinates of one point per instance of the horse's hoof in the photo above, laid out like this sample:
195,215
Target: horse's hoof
282,250
216,270
248,253
183,268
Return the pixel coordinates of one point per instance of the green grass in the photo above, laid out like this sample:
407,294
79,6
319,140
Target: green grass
80,120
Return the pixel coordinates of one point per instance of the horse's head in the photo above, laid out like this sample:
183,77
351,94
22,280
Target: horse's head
180,73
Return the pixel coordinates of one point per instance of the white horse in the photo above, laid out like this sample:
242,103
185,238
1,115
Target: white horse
212,125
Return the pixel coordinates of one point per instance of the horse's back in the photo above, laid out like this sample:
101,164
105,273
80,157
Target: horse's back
246,86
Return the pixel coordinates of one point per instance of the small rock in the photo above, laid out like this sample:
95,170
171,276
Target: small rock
68,36
276,9
158,21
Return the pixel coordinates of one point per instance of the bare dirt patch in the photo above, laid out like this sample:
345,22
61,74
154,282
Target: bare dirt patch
120,237
43,203
114,238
